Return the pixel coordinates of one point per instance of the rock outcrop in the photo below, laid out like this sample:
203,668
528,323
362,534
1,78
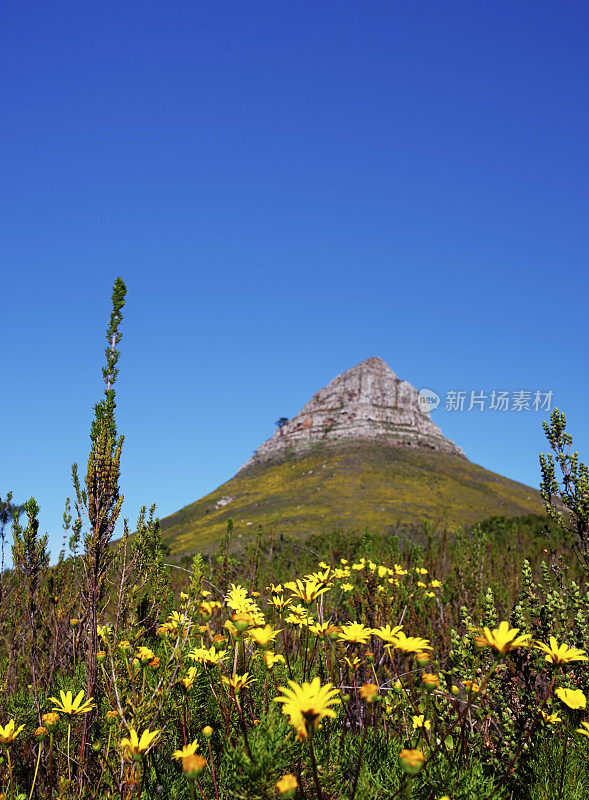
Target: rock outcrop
366,403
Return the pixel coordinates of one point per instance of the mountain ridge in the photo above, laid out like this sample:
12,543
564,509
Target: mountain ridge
366,402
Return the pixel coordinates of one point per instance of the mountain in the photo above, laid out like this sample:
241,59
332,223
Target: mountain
362,453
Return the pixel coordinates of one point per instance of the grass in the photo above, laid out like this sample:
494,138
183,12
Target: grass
352,486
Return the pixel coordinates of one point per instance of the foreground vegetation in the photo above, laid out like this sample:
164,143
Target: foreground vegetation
348,667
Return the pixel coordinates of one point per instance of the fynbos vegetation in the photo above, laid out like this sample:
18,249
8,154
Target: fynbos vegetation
346,667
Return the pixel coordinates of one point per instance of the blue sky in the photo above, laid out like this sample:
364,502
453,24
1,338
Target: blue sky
287,189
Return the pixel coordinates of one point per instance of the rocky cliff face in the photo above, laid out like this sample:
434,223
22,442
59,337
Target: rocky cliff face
365,403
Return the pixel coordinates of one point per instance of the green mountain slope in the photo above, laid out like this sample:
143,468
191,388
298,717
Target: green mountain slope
352,486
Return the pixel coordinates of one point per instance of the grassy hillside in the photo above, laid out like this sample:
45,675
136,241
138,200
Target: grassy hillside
351,486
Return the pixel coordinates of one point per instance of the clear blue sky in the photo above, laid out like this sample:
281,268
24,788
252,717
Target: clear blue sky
287,189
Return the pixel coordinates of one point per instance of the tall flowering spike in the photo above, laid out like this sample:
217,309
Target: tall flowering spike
504,639
561,655
307,704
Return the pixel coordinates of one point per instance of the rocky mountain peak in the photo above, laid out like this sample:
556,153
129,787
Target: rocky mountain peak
365,403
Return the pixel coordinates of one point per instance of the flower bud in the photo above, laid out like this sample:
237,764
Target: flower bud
112,717
333,633
287,786
422,658
369,692
41,734
241,622
193,765
412,761
100,656
430,681
207,731
50,721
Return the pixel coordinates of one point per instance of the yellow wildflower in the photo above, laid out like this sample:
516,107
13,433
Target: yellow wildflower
320,577
279,602
307,704
236,597
321,629
584,729
573,698
187,750
562,654
354,664
551,718
263,636
238,682
72,707
189,678
386,633
271,659
504,639
308,591
135,747
410,644
9,732
241,620
208,657
419,721
354,633
144,654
